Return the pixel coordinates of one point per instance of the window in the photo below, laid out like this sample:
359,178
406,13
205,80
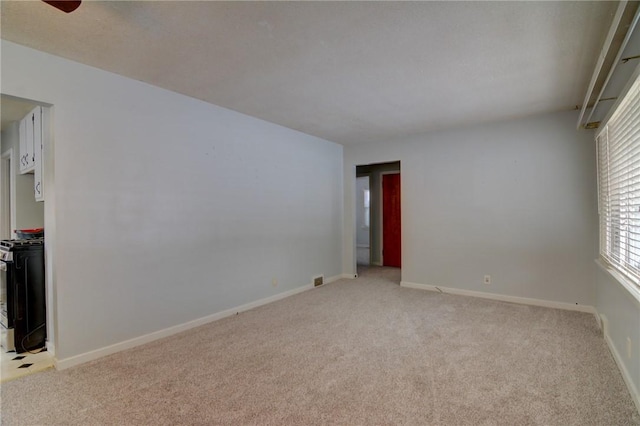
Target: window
618,150
367,207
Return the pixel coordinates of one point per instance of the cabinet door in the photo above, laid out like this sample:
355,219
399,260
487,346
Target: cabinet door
37,147
22,135
23,144
27,155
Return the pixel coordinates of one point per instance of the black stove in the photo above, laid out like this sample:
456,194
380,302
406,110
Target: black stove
22,296
7,247
10,244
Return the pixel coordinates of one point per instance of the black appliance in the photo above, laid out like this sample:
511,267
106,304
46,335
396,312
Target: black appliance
22,295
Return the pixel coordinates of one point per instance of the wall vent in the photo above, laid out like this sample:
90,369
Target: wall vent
319,280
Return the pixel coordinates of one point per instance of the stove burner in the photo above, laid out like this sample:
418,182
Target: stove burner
7,245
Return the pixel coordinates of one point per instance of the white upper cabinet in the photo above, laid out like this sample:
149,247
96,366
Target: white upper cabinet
31,149
27,154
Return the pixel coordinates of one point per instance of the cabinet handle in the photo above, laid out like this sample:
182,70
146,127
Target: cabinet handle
38,187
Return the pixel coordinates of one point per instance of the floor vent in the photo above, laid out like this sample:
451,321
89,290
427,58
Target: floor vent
319,280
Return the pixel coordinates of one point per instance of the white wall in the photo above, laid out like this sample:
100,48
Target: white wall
168,209
618,300
620,311
29,213
516,200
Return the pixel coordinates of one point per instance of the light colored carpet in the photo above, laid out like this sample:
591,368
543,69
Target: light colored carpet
356,352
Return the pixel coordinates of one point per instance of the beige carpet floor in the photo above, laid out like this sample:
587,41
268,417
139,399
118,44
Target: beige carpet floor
354,352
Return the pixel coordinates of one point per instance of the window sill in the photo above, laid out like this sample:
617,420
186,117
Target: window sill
630,287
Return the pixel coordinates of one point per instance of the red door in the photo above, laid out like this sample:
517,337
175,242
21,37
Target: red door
391,220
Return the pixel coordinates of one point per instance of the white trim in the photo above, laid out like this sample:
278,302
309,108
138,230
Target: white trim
599,322
502,297
333,279
619,99
62,364
628,30
50,348
349,276
48,186
630,287
4,157
635,395
601,58
353,179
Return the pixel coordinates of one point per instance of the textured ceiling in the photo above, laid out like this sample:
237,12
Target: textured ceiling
349,72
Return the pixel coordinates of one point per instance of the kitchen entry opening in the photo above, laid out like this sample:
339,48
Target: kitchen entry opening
26,165
378,216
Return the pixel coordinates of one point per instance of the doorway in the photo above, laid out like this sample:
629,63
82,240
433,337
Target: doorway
383,214
23,205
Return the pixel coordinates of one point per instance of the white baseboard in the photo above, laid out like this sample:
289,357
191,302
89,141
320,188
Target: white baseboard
333,278
635,395
349,276
50,348
599,322
52,351
61,364
501,297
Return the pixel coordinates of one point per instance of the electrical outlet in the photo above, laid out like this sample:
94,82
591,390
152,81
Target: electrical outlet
274,282
629,347
487,279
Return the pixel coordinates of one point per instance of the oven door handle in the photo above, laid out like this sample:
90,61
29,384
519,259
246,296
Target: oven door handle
3,266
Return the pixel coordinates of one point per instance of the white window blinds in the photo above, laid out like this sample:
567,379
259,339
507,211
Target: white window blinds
618,145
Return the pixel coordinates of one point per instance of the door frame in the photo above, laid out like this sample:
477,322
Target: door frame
7,193
381,201
48,181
